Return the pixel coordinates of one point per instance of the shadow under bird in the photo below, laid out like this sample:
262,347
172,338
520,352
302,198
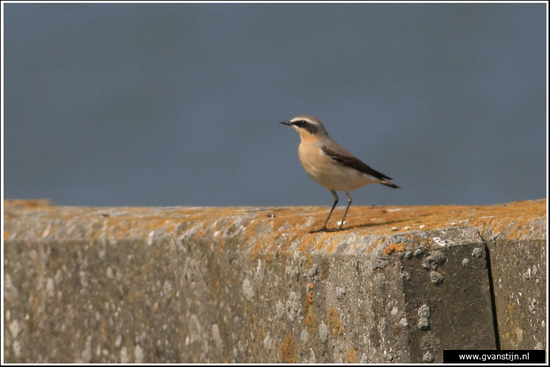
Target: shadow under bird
330,164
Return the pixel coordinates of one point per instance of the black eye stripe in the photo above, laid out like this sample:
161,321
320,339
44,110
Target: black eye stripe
311,128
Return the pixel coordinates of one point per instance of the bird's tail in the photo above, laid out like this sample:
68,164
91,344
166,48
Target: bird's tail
389,184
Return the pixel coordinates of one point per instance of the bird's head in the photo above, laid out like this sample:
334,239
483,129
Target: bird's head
306,126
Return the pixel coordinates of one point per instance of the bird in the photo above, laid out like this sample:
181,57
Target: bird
330,164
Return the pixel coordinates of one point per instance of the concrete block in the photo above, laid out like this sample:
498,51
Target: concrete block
400,284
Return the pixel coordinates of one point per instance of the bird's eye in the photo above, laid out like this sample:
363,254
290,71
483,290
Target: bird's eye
300,123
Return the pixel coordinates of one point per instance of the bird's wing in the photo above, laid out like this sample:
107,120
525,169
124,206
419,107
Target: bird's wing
345,158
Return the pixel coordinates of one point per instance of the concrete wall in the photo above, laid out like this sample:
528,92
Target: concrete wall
244,284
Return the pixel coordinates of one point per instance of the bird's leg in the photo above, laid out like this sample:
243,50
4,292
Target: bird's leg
346,212
333,205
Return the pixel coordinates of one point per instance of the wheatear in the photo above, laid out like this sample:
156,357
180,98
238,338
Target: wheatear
330,164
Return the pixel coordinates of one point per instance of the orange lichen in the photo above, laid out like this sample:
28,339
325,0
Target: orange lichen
394,247
263,234
332,247
32,203
310,320
310,293
351,355
287,350
333,321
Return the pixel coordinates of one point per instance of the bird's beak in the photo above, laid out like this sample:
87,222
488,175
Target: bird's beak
285,123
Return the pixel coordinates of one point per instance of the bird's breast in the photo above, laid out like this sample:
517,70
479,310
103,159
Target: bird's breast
313,159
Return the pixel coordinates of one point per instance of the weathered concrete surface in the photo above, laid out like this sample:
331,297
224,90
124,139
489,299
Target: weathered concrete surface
401,284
